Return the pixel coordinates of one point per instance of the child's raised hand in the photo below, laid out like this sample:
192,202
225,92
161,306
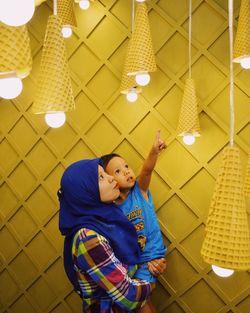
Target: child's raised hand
159,144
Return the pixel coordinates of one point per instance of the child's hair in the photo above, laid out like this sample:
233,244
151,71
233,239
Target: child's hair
106,158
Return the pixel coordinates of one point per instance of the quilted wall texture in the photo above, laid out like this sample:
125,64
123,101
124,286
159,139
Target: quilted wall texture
33,156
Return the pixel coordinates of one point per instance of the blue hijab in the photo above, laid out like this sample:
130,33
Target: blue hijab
81,207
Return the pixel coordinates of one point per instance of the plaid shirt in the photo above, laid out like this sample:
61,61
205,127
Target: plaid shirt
104,282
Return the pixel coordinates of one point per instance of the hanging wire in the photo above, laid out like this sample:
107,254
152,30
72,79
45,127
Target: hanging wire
189,39
133,15
55,7
230,19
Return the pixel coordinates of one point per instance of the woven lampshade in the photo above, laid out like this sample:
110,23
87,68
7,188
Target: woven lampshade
128,82
227,241
247,178
242,39
65,10
54,91
188,119
140,55
15,51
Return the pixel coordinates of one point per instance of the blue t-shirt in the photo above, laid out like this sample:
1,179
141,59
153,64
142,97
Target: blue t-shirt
142,214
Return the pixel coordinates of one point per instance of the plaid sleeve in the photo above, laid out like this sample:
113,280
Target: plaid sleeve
95,257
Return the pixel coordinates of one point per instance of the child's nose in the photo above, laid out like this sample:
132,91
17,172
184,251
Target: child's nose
110,178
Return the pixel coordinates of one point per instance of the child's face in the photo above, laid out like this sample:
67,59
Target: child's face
122,173
108,186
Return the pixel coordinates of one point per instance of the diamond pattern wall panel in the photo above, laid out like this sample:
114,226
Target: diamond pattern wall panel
33,157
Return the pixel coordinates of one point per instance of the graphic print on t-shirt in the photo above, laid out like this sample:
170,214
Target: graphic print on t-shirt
136,218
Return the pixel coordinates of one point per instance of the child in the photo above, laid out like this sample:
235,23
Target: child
136,203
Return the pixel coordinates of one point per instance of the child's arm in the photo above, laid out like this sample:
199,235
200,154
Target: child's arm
149,164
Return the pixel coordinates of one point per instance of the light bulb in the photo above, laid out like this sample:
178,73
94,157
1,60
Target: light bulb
84,4
66,31
132,95
142,79
188,139
222,272
245,63
10,87
55,119
16,12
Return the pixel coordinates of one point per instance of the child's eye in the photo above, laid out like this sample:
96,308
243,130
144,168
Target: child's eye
126,165
117,171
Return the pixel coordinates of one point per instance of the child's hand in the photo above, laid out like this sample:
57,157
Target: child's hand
159,144
157,266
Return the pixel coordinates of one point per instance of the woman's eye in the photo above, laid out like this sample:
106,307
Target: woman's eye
101,177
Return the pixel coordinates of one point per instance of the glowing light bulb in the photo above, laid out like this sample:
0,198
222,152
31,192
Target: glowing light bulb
132,95
245,63
84,4
55,119
142,79
222,272
10,87
16,12
66,31
188,139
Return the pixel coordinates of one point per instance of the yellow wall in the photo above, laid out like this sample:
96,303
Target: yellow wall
33,157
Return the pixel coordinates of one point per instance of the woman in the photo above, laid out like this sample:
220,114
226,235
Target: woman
100,248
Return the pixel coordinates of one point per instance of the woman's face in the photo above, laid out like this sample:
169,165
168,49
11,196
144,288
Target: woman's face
108,187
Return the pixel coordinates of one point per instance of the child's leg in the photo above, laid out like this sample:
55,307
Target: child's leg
148,308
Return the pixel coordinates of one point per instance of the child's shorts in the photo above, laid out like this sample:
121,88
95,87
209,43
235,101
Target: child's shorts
144,273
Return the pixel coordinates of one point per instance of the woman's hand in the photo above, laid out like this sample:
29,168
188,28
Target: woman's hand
157,266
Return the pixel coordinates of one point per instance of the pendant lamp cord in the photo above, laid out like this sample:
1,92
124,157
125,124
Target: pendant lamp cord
189,39
230,19
55,7
133,15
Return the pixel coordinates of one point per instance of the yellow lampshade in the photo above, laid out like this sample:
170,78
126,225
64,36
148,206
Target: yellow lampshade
15,51
188,119
128,82
247,178
242,39
140,56
54,91
65,10
227,241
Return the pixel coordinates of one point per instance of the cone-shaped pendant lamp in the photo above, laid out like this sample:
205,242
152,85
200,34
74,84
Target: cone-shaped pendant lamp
188,125
128,84
227,241
54,91
65,10
242,39
15,51
140,55
247,178
189,120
